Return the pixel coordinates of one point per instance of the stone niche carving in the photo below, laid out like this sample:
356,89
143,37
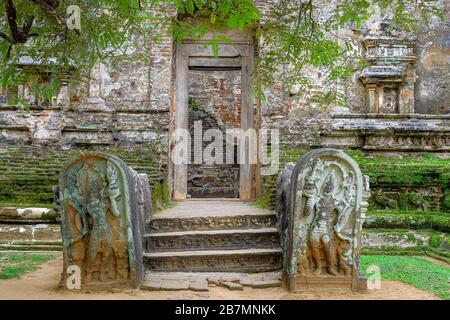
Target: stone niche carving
103,205
321,213
389,80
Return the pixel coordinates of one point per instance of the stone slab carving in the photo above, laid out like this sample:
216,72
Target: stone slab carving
322,214
214,241
103,205
157,225
262,262
389,132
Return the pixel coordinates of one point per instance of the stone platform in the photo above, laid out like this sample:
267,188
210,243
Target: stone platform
212,235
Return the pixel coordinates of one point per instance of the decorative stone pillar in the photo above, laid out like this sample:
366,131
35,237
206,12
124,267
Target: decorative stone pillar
3,95
63,98
389,81
22,92
96,99
372,96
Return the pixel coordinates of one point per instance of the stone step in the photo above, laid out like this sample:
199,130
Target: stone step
213,192
210,222
241,260
212,240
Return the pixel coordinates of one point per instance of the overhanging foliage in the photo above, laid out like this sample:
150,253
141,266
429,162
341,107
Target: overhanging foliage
296,36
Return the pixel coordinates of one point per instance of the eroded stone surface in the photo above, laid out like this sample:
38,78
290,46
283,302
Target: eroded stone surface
36,215
152,285
128,105
101,221
173,285
325,209
266,284
198,285
201,281
232,285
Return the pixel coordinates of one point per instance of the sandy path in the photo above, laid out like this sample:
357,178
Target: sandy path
434,260
42,284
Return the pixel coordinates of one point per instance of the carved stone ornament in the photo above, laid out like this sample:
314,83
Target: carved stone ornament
321,221
103,205
389,80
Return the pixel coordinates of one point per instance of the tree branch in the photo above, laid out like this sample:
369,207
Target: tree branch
27,26
11,16
49,9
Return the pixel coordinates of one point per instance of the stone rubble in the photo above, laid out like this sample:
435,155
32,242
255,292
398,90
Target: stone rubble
200,282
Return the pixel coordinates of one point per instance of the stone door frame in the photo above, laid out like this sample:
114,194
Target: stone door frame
195,54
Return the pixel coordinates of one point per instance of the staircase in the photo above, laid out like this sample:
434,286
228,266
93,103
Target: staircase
214,235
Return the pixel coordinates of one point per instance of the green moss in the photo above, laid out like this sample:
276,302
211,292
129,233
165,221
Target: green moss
264,201
437,240
267,199
436,243
160,195
28,173
395,251
410,237
395,182
439,221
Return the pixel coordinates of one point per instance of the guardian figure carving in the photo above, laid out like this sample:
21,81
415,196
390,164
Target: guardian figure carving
325,209
103,204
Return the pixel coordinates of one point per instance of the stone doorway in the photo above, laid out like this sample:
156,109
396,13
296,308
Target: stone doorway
195,63
214,103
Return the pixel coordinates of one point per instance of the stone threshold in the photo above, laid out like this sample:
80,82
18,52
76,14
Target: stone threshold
202,281
211,207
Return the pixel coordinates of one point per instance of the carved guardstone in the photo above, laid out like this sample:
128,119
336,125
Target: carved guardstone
103,205
322,213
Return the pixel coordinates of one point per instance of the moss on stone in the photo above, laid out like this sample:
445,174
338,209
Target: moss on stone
396,183
267,199
436,245
28,172
160,195
439,221
394,251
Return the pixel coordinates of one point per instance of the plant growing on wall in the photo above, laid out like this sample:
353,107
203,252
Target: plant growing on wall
68,37
301,36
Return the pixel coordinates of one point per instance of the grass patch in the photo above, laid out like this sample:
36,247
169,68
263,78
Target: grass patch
417,272
15,265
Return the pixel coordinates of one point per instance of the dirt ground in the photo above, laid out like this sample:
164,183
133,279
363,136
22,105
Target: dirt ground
42,284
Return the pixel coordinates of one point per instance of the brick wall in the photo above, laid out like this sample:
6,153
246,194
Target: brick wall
214,99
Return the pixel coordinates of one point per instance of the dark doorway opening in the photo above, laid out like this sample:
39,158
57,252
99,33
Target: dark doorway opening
214,101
